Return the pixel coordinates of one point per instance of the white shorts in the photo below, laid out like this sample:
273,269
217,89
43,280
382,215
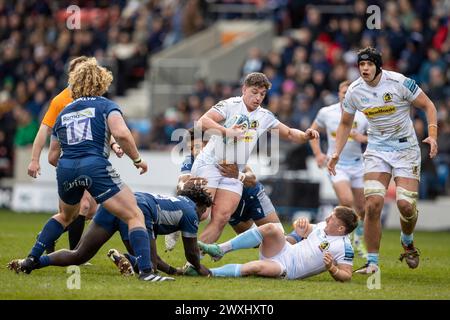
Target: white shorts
286,261
402,163
215,178
354,174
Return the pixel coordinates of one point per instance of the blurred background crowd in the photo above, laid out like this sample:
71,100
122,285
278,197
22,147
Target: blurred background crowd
318,51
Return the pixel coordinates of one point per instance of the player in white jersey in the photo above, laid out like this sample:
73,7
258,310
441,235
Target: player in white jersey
324,247
348,182
385,97
225,191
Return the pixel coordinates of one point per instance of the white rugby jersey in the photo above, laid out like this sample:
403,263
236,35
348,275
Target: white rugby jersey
329,119
310,251
387,108
216,151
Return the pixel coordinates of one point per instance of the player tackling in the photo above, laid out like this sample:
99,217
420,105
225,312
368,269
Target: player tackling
385,97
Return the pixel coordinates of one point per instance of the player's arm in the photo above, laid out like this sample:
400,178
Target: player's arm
210,121
191,252
115,147
303,228
54,151
34,167
359,137
341,272
247,177
342,134
122,134
157,262
321,158
295,135
423,102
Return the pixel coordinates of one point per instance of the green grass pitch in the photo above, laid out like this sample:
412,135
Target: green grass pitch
102,281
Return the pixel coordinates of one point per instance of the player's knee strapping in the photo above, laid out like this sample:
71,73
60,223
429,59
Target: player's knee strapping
374,188
410,197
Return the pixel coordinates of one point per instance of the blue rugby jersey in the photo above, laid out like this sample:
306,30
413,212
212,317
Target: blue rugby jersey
82,128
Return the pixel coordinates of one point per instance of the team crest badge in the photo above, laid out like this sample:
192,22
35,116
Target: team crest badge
324,245
254,124
387,97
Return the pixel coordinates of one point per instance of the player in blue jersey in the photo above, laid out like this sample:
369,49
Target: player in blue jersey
162,215
81,136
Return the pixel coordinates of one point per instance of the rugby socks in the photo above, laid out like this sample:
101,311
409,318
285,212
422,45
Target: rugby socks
372,258
406,239
246,240
294,235
75,231
140,243
49,234
359,231
228,270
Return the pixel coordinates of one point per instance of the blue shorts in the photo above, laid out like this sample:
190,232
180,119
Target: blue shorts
254,204
111,223
94,174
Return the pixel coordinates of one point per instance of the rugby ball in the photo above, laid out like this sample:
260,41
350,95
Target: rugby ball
240,120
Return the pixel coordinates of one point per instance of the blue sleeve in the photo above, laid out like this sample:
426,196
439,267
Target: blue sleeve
186,166
189,223
111,106
294,235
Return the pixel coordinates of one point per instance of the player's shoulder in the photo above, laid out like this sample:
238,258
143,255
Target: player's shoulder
266,112
230,102
393,77
63,95
329,109
355,85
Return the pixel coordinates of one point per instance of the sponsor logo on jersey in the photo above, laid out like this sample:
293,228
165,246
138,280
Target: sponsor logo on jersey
324,245
387,97
379,111
333,135
364,100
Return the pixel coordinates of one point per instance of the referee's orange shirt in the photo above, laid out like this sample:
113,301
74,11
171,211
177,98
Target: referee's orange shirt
56,105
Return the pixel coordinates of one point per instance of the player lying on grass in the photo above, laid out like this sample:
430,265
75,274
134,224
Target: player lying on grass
162,214
254,208
325,247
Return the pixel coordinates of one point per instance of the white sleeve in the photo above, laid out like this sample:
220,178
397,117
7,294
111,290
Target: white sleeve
223,108
345,254
408,88
273,122
348,104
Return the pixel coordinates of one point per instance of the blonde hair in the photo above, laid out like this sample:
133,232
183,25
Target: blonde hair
88,79
76,61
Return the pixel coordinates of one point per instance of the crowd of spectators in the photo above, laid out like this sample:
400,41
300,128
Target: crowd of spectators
38,39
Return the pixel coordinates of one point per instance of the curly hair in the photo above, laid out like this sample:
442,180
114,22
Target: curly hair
88,79
198,194
76,61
